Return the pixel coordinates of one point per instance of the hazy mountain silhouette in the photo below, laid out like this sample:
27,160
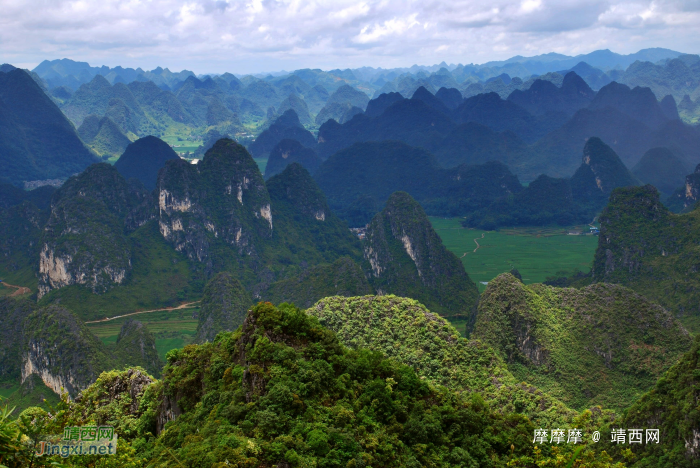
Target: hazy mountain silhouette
286,126
287,152
638,103
143,159
36,140
661,168
544,97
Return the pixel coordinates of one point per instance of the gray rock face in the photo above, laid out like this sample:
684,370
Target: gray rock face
84,240
407,258
221,198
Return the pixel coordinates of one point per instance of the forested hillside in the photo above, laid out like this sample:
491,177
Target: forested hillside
650,249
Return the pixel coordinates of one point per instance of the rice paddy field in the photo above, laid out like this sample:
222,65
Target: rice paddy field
535,252
171,329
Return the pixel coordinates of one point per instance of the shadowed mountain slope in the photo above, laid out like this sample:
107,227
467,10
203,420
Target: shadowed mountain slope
143,159
661,168
290,151
37,141
287,126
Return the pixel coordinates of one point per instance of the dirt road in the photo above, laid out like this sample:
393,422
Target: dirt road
477,244
20,290
181,306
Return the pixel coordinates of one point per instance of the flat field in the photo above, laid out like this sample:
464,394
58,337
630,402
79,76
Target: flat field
171,329
262,164
535,252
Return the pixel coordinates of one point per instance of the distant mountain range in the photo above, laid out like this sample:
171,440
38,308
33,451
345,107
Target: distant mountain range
72,74
315,91
458,118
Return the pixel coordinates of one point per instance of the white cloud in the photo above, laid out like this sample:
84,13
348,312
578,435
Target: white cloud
529,6
392,27
263,35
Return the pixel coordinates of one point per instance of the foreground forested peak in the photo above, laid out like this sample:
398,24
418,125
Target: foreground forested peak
579,335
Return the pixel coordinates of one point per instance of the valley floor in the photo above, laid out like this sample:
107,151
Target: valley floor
535,252
171,328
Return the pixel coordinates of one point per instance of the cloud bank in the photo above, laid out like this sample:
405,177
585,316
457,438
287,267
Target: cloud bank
267,35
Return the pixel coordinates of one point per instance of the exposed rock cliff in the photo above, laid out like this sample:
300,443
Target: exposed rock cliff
222,198
407,258
60,349
684,198
600,173
84,240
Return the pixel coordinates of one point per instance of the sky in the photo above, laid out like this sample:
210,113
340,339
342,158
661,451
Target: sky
215,36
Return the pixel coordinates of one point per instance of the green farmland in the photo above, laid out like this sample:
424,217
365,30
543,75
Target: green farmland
171,329
535,252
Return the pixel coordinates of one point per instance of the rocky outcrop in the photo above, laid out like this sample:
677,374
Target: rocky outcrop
84,240
35,361
600,172
602,344
684,198
407,258
116,388
59,348
633,228
223,198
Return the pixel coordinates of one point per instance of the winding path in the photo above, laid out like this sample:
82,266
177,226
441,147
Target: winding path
477,244
19,289
181,306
